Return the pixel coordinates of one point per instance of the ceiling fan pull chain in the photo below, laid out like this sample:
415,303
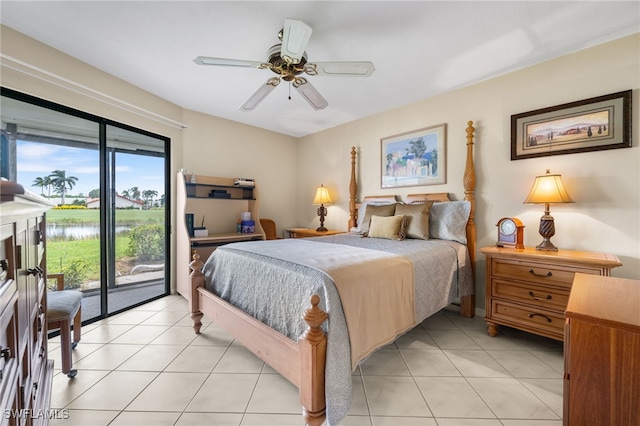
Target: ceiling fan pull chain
289,90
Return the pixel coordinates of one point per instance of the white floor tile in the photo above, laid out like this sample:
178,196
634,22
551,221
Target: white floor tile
228,393
114,392
452,397
168,392
85,418
394,396
508,398
147,366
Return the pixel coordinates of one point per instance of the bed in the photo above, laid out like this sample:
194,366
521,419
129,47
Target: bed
371,288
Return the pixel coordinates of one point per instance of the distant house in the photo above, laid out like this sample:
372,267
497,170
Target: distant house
121,203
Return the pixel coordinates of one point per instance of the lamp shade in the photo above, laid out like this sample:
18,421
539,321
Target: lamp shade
548,188
322,196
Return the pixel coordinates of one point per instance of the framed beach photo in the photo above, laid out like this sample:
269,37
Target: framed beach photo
592,124
415,158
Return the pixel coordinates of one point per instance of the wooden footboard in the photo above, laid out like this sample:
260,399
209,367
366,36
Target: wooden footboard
302,362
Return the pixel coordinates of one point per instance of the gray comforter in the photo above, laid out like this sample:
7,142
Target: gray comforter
257,278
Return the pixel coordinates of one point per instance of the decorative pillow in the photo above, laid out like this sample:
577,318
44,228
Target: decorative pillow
375,210
417,219
362,210
448,220
389,227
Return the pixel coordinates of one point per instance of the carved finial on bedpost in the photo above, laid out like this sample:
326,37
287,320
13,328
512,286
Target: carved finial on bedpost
196,278
313,350
353,191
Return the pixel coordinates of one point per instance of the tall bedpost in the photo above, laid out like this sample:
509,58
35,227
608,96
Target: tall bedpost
313,352
468,303
353,191
196,280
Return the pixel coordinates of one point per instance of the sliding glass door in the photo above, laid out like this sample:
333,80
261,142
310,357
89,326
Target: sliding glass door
109,183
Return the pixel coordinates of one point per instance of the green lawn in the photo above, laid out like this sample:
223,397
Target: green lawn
83,255
125,216
62,253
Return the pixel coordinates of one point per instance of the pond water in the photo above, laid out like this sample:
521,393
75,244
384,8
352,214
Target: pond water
78,232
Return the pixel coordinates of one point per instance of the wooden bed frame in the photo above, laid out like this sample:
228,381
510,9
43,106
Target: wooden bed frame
303,362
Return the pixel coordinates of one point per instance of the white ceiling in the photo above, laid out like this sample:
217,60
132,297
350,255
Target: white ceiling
419,48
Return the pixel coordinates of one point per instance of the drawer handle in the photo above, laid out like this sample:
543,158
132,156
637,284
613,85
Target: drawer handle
540,315
534,297
532,272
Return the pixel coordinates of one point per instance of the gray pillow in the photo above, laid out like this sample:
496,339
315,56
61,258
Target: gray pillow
448,220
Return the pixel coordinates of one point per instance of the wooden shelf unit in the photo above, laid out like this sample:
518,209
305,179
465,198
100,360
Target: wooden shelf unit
218,215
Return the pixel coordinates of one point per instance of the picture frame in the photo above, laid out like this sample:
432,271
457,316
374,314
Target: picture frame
593,124
414,158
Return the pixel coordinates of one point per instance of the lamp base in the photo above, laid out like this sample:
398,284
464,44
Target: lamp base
546,245
321,229
547,230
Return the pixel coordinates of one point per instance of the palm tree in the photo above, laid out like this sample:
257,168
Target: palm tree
61,181
39,181
148,195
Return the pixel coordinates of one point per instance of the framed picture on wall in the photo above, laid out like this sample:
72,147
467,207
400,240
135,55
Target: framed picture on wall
414,158
594,124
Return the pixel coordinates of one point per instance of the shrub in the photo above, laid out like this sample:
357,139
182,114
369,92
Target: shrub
75,272
146,243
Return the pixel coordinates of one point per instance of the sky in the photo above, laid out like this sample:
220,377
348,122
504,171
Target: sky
40,160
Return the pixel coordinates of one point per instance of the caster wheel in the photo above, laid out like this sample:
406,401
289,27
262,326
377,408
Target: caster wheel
72,373
73,345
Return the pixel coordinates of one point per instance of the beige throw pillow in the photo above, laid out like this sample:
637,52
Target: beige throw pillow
417,219
376,210
389,227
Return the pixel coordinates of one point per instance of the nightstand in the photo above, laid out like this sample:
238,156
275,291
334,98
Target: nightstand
529,289
307,232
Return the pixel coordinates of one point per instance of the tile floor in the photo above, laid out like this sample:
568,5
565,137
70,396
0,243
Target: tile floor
147,367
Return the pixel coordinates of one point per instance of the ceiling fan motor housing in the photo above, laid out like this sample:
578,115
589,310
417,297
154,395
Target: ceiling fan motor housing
287,70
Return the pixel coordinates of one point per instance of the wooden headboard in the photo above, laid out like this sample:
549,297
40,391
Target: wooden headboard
469,183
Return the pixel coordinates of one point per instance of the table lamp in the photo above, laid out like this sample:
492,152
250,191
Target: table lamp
322,197
547,189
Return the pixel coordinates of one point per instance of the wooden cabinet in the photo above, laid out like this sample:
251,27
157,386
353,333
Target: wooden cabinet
216,204
529,289
602,347
307,232
25,372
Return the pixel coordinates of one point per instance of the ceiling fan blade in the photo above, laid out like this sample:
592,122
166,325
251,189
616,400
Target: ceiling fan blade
309,93
344,69
295,37
259,95
206,60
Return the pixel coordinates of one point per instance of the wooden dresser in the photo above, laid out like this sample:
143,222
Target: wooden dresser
528,289
602,352
25,372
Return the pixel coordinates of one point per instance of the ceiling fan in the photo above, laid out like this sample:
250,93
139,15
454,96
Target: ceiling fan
289,60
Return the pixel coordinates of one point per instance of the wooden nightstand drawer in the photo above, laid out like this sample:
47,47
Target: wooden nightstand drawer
531,294
531,318
533,272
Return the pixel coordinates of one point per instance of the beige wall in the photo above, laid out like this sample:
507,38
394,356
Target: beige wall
605,184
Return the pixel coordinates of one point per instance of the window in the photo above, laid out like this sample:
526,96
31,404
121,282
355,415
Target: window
108,233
